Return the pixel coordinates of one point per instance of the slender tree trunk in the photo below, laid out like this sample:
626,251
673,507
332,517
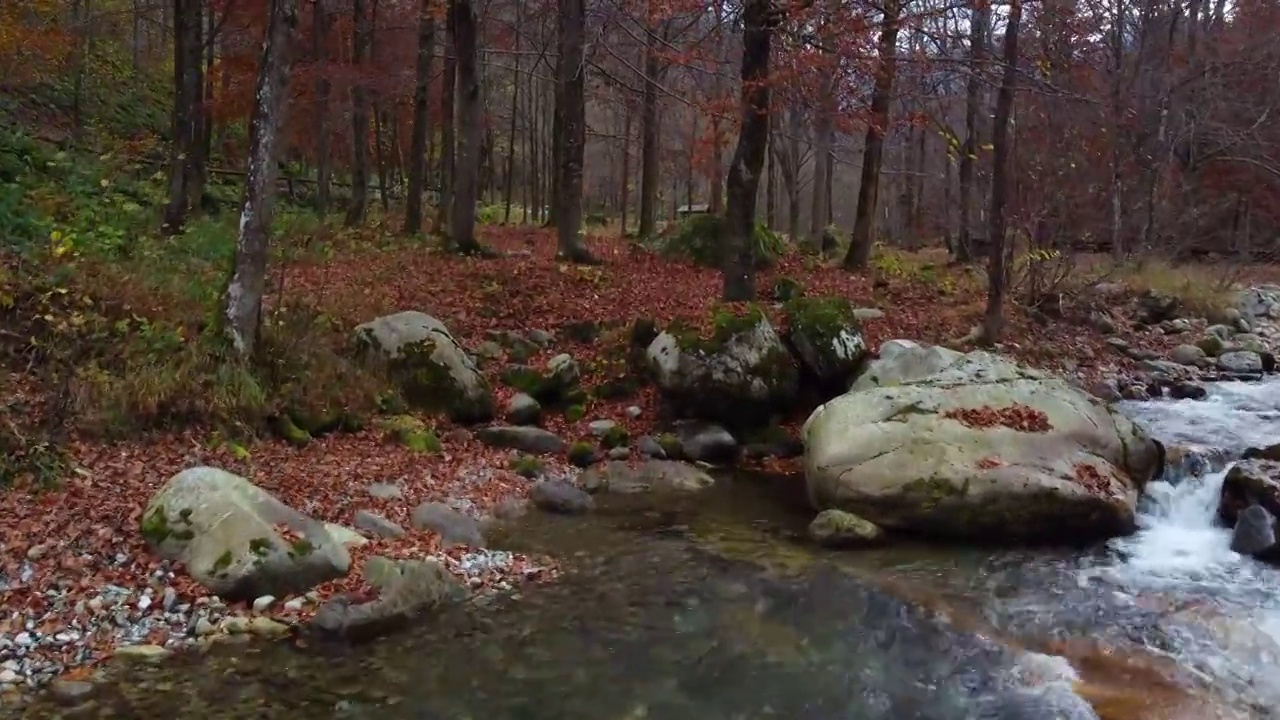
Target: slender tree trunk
996,272
204,130
873,150
624,199
649,127
448,141
511,129
421,121
1117,98
978,22
380,155
319,38
573,121
136,39
462,220
359,118
186,102
243,298
771,187
753,139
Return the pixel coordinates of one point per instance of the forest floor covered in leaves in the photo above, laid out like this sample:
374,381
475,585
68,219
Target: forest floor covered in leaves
78,581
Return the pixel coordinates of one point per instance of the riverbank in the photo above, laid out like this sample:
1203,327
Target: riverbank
80,582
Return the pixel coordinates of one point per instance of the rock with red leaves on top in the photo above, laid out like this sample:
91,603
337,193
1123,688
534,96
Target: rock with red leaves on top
434,371
237,539
739,377
974,446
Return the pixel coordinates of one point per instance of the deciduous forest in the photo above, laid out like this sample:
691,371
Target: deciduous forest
396,267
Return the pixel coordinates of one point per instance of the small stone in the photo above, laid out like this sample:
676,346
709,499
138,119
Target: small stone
634,411
649,446
144,602
839,529
148,654
35,553
8,677
619,453
523,409
170,599
385,491
234,625
95,603
600,428
266,627
558,496
1187,355
204,627
376,525
24,639
70,692
539,337
295,604
262,603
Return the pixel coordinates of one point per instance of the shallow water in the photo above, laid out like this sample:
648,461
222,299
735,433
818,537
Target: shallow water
713,607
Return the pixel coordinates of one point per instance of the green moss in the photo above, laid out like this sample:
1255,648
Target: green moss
429,385
616,436
155,527
584,331
933,491
526,379
260,546
670,445
726,323
412,433
786,289
620,386
290,432
301,548
575,396
700,239
821,319
582,453
526,466
574,413
222,563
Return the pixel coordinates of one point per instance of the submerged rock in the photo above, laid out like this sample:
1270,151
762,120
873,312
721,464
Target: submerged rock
840,529
226,532
526,439
558,496
453,527
975,446
706,442
407,588
651,475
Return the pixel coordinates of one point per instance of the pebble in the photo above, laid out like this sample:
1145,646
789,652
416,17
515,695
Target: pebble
9,677
295,604
70,692
24,639
262,603
170,599
204,627
144,602
142,653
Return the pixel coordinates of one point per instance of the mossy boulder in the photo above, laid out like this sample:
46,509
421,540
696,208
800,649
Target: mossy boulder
838,529
978,449
786,289
827,339
230,536
553,385
433,370
739,376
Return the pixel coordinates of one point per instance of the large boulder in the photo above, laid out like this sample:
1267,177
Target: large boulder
827,338
434,371
237,539
980,448
739,377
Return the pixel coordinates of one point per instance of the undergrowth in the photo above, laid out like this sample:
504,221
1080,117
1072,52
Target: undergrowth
699,239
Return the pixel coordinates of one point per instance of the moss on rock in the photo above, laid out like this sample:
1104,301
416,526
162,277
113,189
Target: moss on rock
412,433
583,453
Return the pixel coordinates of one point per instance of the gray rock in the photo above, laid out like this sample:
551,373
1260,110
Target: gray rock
634,411
510,509
526,439
1212,345
70,692
840,529
376,525
1187,391
707,443
618,453
1052,701
558,496
539,337
385,491
434,371
868,314
222,528
261,604
1255,532
489,350
142,654
453,527
1187,355
522,409
563,371
1175,327
1154,308
827,339
651,475
1102,323
600,428
1250,482
649,446
1135,391
1106,390
411,589
1240,361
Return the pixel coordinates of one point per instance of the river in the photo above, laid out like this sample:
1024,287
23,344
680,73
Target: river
713,608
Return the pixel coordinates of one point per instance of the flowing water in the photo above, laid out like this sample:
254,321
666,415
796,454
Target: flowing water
712,608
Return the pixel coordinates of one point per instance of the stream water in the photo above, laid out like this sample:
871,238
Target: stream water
711,608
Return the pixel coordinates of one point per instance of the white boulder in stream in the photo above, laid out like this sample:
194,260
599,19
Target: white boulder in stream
237,539
947,444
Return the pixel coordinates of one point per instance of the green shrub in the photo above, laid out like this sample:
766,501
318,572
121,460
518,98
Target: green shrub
700,239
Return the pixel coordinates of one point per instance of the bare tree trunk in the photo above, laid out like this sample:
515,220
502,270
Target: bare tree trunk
1117,98
993,322
748,159
771,185
511,129
979,15
359,119
319,37
186,108
624,198
421,121
448,141
573,121
204,151
649,126
243,297
136,39
868,191
462,220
